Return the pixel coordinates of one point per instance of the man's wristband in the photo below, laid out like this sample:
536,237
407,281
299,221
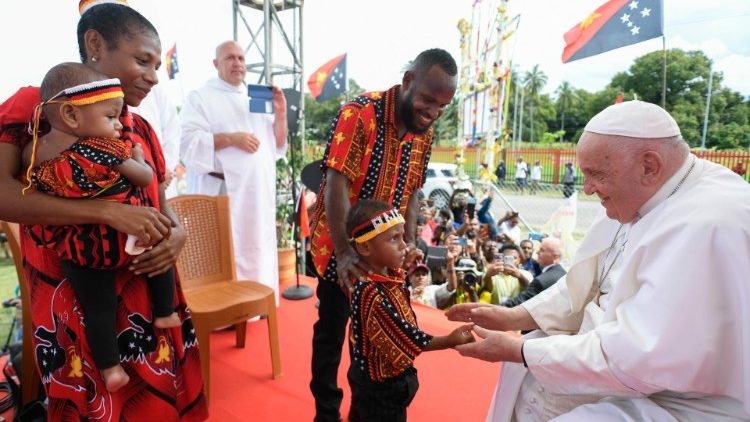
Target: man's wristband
523,357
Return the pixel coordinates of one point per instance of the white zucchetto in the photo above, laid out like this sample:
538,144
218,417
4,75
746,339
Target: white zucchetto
635,119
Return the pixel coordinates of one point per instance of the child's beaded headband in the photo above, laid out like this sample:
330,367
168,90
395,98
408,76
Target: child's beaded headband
376,225
90,93
79,95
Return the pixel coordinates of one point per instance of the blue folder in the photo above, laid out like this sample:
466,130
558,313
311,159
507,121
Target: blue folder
261,98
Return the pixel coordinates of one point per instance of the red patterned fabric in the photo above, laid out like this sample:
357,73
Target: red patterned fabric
384,334
364,146
164,365
15,115
86,170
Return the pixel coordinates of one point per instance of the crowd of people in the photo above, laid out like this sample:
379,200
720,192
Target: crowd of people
468,256
529,177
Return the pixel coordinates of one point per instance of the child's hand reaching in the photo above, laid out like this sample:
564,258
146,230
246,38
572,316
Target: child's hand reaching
462,335
459,336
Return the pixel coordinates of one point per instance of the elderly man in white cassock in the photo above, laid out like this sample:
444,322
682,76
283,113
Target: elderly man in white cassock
231,151
652,321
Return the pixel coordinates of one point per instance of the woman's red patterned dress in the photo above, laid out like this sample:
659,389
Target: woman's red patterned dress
164,365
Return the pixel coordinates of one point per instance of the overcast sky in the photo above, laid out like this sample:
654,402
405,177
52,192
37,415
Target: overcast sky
379,37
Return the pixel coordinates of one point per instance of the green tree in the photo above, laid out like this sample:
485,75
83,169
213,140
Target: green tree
687,74
534,80
567,99
687,88
445,129
318,116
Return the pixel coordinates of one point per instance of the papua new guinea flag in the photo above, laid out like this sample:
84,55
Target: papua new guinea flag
171,62
329,80
615,24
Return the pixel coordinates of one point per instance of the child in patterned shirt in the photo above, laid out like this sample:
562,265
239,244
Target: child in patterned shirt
384,335
82,157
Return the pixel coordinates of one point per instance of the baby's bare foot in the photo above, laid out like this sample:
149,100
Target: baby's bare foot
169,321
115,378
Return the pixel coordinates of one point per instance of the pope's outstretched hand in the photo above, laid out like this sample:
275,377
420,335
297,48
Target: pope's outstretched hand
483,314
493,346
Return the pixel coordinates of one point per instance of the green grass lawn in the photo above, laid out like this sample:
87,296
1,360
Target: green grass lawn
8,283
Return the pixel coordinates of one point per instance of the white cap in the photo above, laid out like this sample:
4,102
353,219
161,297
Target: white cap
635,119
467,265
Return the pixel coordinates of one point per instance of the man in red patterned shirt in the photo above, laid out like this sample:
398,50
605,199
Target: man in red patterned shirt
379,148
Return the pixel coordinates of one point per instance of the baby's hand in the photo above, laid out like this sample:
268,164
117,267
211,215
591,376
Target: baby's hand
462,335
137,153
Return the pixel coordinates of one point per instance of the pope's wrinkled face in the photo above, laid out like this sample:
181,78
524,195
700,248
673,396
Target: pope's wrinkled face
612,175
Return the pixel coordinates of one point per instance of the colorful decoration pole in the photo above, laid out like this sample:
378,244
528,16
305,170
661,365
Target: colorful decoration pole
484,78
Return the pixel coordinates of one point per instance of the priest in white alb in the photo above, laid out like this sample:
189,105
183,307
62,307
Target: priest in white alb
652,321
229,150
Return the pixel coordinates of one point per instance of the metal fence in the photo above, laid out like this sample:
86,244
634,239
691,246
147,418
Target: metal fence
545,207
553,160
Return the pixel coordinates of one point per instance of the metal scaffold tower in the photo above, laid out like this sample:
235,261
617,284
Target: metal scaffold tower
279,17
274,54
273,51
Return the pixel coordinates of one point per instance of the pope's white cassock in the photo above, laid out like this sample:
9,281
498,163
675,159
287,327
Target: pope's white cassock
662,313
219,107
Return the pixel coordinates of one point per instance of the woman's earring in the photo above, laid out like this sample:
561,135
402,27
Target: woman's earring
94,59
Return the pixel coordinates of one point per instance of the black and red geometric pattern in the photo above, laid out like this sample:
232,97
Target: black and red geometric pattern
384,334
364,146
163,364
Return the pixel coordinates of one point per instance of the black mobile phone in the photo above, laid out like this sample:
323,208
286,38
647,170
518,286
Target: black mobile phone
436,257
471,206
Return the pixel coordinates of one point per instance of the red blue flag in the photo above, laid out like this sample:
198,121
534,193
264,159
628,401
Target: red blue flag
171,62
615,24
329,80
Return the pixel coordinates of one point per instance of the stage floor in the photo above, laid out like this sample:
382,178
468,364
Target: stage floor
452,388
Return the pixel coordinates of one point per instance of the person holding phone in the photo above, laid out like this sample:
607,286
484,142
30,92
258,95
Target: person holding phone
233,152
504,278
550,251
508,228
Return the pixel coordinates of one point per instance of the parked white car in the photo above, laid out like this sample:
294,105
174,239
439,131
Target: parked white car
440,182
